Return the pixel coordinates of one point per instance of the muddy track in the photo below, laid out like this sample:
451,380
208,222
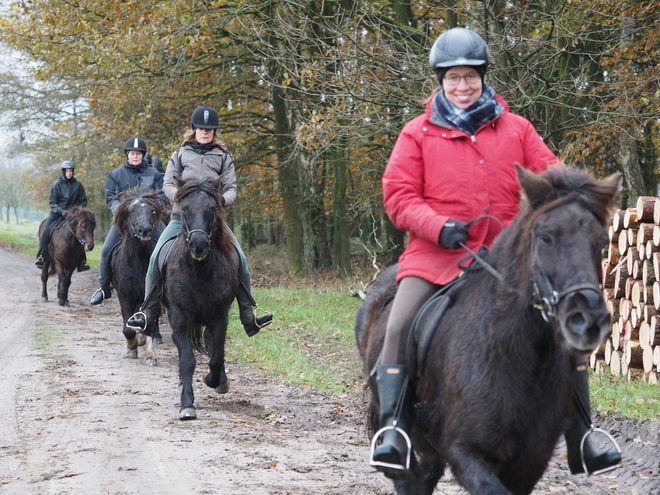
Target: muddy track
78,418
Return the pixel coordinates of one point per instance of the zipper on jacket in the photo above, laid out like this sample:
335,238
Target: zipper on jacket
474,138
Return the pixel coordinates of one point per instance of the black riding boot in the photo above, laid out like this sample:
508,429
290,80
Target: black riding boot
148,314
392,456
101,294
596,460
246,306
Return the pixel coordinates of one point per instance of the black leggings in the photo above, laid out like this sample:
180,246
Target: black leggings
45,234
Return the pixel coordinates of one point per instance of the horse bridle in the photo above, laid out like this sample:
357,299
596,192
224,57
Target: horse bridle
545,297
80,239
153,224
187,233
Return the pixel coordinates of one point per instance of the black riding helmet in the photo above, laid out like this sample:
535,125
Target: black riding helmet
135,143
204,117
459,46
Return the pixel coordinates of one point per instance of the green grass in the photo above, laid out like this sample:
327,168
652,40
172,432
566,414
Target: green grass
23,238
311,340
632,399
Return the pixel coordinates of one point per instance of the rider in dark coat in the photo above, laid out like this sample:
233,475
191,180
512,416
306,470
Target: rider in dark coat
65,193
134,172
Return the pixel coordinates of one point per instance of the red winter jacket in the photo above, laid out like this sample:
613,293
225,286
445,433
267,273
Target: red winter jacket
437,172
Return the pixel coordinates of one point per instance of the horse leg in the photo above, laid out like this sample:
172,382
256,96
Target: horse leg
186,370
131,343
150,357
214,339
476,475
64,282
422,478
44,281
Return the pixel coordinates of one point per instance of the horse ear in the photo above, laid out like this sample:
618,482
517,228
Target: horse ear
217,184
536,188
612,185
179,182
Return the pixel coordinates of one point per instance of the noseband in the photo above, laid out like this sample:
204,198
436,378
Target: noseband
545,297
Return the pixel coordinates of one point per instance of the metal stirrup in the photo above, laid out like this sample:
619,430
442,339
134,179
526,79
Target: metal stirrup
399,467
136,328
610,438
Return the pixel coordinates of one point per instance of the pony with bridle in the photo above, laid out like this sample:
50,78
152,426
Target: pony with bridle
137,217
494,389
200,280
69,241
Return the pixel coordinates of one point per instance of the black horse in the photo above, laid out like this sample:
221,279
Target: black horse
496,388
137,217
69,240
200,282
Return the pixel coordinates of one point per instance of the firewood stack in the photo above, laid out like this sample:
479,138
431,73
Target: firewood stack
631,274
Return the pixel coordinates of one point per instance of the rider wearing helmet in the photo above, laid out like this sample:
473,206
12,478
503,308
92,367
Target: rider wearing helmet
134,172
66,192
452,164
202,155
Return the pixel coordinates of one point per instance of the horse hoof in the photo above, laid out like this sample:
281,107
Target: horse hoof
223,388
44,299
157,339
132,354
64,304
187,413
150,361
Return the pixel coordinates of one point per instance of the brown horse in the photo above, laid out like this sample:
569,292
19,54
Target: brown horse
137,217
492,398
66,250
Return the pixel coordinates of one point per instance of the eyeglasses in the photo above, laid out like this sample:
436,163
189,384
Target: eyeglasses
456,80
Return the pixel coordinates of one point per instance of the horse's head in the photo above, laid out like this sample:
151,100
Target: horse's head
82,222
202,215
138,213
566,214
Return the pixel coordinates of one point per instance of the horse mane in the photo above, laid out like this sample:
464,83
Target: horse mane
550,189
126,199
560,185
82,214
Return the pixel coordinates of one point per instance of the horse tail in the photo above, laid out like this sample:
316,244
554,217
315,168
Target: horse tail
196,336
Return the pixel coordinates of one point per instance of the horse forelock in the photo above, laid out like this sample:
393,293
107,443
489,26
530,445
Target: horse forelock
131,197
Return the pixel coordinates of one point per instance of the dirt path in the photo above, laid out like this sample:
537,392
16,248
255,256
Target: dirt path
76,418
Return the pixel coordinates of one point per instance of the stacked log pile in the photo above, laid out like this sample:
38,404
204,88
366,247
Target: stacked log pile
631,274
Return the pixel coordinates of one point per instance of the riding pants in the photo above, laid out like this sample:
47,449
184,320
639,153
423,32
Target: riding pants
411,294
45,235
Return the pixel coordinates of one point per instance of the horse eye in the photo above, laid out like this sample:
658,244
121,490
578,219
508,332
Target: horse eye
546,239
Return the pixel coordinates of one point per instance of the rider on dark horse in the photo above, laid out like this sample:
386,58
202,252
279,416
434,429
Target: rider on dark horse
66,192
133,173
202,155
450,165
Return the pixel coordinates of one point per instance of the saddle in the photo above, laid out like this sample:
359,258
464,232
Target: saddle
161,261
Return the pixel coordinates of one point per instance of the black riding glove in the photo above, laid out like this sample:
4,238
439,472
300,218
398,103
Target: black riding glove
453,233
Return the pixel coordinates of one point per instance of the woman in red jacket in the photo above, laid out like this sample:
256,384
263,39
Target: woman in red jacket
452,164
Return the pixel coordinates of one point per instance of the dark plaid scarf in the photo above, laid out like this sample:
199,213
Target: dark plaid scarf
484,110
